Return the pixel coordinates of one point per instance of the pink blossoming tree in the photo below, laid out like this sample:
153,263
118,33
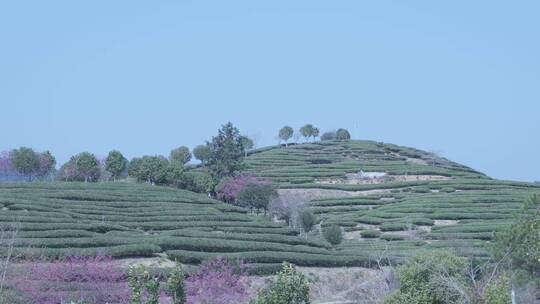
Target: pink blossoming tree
76,279
229,188
218,282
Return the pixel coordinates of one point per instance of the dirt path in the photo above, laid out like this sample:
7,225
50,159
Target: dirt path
312,193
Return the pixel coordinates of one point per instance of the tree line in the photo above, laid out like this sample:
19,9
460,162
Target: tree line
308,131
220,173
221,157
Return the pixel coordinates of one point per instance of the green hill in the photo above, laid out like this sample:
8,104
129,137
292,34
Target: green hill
413,198
423,200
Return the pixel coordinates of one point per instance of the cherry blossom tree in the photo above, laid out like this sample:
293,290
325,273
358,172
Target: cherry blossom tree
218,282
229,188
77,279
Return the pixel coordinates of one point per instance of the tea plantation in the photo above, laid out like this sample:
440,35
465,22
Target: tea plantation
132,220
422,201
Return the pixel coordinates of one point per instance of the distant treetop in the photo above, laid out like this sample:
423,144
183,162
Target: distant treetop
285,134
343,134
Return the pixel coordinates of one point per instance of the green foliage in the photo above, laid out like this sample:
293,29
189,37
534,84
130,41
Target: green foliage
343,134
180,155
176,286
309,131
430,278
138,220
202,153
331,135
286,133
134,167
203,183
193,181
115,164
144,287
177,176
448,189
25,161
87,165
333,234
392,237
307,219
82,167
290,286
391,226
226,152
521,241
256,196
150,169
370,233
498,291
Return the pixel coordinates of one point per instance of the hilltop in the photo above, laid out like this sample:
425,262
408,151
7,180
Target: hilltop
407,197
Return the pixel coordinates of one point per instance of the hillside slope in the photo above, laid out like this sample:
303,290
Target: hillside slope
133,220
406,198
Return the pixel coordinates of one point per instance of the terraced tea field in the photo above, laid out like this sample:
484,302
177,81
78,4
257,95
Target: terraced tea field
130,220
412,200
307,165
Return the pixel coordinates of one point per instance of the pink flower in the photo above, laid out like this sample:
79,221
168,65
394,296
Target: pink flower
231,186
218,282
92,279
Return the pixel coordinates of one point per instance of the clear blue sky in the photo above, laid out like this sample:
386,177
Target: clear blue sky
460,77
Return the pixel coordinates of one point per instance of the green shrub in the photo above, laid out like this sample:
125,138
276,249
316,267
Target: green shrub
333,235
370,233
498,291
290,286
144,288
522,239
429,278
175,285
421,190
307,219
390,226
392,237
423,222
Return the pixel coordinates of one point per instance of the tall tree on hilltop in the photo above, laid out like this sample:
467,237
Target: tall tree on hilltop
25,161
202,153
115,164
81,167
343,134
308,131
87,166
226,152
285,134
180,155
149,169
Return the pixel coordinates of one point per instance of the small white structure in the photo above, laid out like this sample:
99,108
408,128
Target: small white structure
371,175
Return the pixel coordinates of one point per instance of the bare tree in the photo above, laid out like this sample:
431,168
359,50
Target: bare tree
384,281
286,206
